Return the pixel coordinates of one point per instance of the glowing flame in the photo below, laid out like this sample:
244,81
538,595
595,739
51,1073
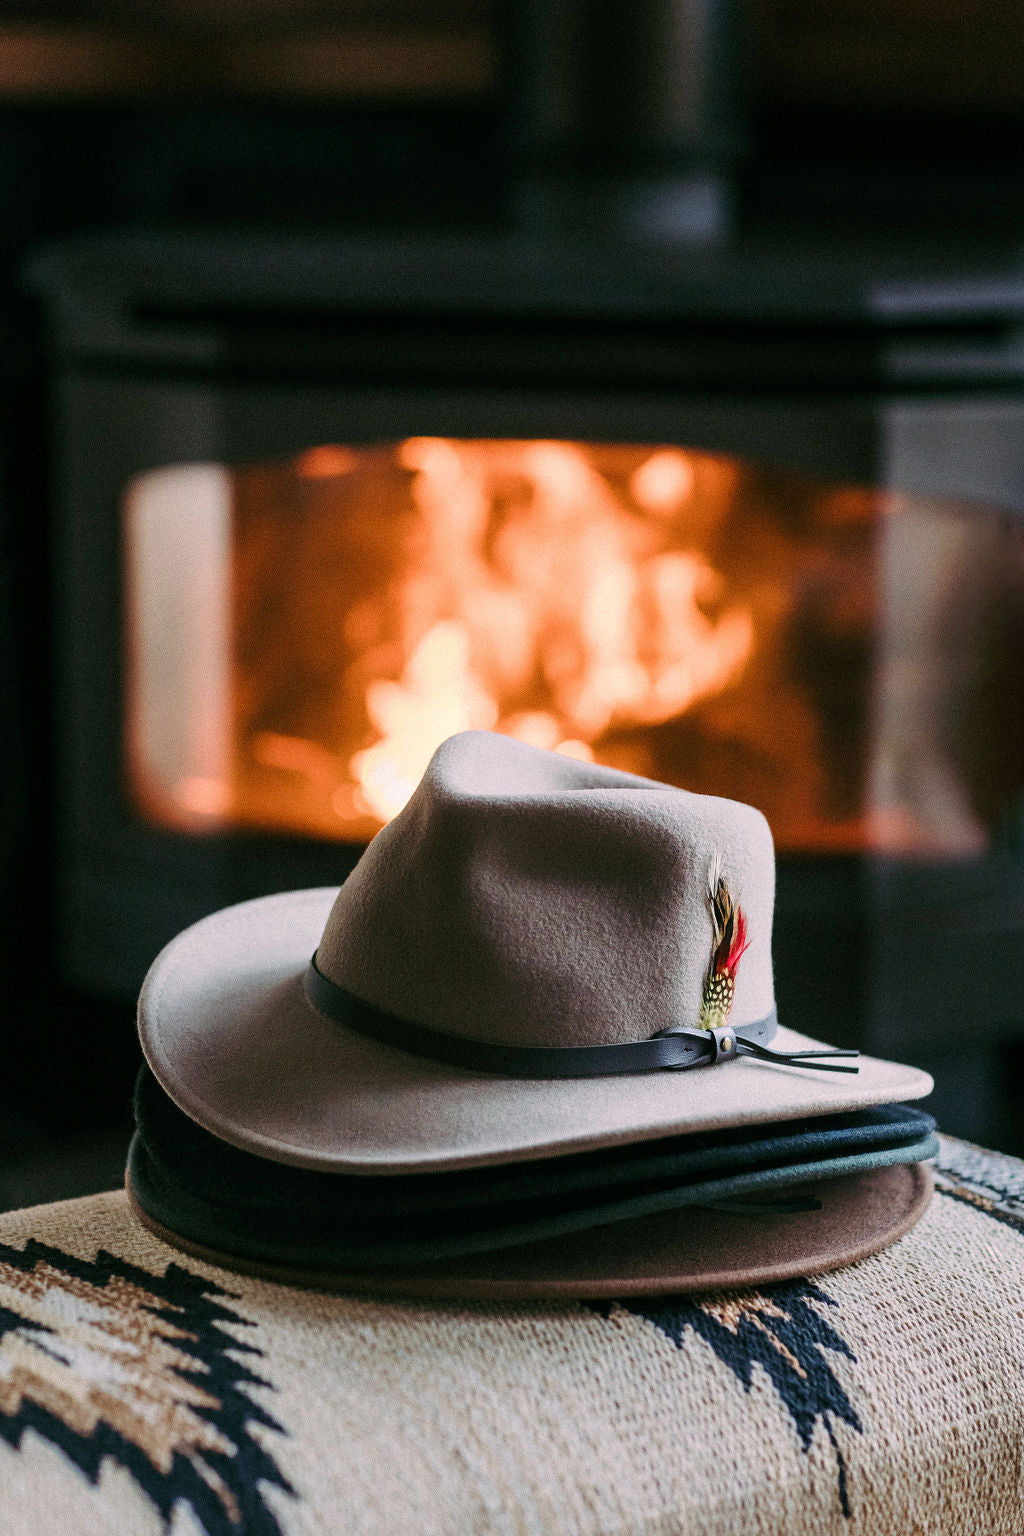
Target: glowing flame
436,696
302,634
663,482
531,574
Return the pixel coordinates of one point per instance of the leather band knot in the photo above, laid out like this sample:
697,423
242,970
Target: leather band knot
674,1048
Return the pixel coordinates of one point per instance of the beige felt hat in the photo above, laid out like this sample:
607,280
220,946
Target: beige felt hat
537,956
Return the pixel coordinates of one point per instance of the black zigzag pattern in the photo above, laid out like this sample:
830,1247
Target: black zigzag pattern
192,1305
810,1393
987,1205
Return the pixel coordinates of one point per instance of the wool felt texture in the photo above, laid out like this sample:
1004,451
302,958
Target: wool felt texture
521,895
525,898
667,1252
219,1197
147,1391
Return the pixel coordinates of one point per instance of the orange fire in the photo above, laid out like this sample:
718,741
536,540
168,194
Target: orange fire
674,613
552,598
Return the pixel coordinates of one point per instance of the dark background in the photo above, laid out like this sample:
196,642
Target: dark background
861,119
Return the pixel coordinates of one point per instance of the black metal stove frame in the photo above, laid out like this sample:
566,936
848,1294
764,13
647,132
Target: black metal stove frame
894,369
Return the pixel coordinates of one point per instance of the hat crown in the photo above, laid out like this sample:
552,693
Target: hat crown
525,898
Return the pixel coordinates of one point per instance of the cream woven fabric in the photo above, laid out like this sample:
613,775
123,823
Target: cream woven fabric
144,1393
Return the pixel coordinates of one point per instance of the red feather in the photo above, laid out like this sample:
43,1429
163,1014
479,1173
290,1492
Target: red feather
739,942
728,943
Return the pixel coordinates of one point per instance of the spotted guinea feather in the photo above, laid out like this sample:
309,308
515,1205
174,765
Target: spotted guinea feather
729,941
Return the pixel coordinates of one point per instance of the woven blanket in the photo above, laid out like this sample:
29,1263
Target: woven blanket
144,1393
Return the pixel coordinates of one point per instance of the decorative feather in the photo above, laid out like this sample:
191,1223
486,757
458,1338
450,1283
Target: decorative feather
729,941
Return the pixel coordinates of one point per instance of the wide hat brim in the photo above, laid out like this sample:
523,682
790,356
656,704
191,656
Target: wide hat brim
678,1251
230,1036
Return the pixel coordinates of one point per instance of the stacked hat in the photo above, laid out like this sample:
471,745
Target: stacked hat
529,1048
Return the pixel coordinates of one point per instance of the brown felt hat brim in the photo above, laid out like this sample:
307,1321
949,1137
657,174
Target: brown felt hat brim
671,1253
232,1040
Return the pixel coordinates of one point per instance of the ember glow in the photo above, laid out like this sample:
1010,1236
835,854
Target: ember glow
539,586
303,635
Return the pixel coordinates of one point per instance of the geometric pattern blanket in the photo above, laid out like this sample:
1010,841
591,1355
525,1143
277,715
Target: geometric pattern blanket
143,1394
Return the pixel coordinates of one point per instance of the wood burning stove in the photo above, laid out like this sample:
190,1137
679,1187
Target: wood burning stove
317,500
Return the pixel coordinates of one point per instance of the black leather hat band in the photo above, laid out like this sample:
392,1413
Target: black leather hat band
674,1048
